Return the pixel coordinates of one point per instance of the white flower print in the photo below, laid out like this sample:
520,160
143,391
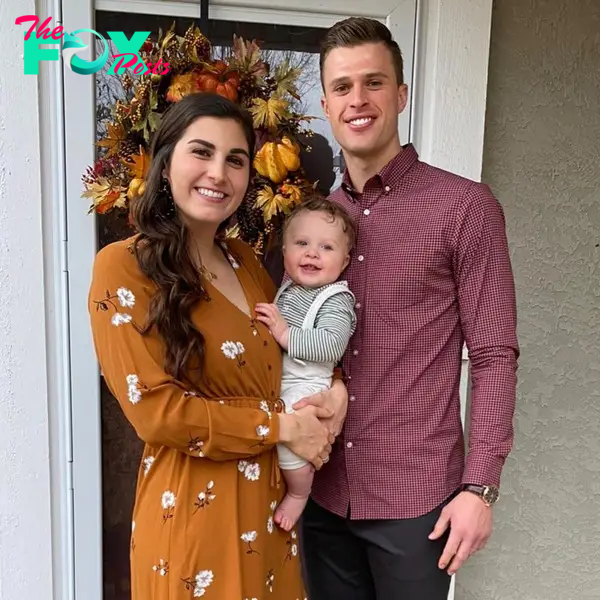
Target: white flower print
292,546
265,406
168,499
252,472
205,497
229,349
126,297
120,319
148,462
162,568
270,580
133,389
196,445
262,431
249,537
242,464
199,583
168,504
234,351
270,522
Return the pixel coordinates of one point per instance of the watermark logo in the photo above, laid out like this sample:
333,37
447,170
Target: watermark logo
128,50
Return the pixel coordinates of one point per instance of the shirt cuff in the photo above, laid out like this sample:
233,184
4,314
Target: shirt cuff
483,469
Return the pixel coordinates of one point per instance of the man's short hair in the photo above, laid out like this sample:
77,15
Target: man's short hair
356,31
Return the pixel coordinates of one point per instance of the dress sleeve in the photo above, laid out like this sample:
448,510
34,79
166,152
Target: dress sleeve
162,410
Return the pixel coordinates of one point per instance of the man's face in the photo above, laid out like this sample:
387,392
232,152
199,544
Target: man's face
362,100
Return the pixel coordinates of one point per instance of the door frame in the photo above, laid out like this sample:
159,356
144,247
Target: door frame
445,121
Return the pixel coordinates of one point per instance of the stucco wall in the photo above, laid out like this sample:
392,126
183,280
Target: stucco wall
25,535
542,157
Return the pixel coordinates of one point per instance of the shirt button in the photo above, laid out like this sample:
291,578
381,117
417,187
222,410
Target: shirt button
355,352
360,258
387,188
352,398
367,212
349,445
357,305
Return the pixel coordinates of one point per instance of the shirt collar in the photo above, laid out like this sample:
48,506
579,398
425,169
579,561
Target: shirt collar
391,175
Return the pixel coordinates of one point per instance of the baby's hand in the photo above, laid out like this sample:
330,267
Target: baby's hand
269,315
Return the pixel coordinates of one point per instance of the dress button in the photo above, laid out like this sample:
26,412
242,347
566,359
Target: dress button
349,445
360,258
367,212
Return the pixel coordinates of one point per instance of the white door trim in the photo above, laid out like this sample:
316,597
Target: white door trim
446,126
81,248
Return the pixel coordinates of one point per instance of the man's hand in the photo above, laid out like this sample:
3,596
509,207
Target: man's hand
336,399
269,315
470,522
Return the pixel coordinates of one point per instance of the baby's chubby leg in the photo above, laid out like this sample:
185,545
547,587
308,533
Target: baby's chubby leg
299,483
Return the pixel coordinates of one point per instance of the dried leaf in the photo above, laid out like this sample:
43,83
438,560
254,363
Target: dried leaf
247,57
116,134
271,203
268,113
105,196
286,77
138,164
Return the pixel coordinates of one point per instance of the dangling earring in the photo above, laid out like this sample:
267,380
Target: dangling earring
166,196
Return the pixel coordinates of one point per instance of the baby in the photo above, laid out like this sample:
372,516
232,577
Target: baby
312,319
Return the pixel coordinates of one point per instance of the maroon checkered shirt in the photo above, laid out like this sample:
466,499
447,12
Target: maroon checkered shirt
430,271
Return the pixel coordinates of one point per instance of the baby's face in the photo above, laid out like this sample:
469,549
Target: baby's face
315,249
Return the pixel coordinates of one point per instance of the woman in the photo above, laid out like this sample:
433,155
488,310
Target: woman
197,375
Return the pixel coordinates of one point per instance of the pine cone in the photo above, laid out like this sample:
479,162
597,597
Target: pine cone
250,219
128,148
247,88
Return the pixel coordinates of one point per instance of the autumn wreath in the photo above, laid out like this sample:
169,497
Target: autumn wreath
270,94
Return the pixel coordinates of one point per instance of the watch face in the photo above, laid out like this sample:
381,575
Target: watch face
490,494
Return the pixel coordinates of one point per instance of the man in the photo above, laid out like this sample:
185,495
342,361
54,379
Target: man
399,507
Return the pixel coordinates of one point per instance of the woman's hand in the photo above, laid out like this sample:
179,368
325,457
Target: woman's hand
305,434
335,399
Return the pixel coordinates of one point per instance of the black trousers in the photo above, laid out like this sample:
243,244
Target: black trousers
373,559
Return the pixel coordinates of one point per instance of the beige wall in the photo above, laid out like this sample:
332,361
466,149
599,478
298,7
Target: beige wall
542,157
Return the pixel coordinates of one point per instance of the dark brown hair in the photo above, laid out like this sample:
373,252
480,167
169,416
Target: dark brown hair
335,212
356,31
161,248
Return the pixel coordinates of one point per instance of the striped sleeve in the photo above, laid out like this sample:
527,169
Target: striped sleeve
327,341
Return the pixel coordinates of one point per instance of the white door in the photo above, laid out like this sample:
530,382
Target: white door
403,17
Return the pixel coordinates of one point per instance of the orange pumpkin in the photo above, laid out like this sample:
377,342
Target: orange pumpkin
276,159
219,80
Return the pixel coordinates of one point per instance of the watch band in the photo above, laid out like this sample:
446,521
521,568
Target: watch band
488,493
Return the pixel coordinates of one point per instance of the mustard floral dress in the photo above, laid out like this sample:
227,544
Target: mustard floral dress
208,482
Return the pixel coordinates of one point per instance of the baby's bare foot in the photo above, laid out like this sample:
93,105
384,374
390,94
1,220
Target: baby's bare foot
289,510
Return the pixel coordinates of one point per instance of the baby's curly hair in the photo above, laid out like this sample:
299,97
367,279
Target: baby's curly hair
318,203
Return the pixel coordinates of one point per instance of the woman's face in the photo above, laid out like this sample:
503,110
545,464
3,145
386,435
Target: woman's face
209,171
